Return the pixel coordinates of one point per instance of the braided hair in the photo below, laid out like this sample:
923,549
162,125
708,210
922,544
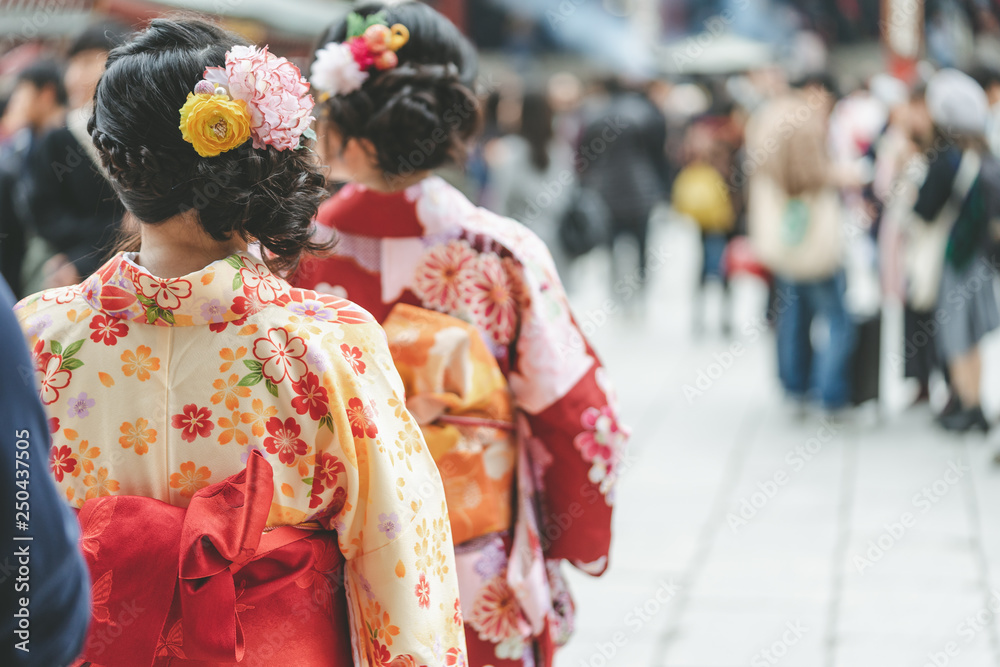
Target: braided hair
264,194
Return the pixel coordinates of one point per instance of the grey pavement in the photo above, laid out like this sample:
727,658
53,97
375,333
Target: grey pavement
747,536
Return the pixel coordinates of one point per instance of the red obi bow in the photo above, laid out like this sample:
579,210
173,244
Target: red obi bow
207,585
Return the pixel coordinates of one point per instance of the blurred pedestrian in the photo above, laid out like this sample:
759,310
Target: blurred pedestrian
36,106
921,244
75,213
535,181
963,180
702,193
408,238
622,157
989,79
46,591
794,219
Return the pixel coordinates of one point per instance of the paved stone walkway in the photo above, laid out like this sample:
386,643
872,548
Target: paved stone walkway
745,536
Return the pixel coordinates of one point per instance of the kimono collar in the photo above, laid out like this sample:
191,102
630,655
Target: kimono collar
426,208
226,290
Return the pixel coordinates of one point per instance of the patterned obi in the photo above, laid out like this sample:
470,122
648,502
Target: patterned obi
458,394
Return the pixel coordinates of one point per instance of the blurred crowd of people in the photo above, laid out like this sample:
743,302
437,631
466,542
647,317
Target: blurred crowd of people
843,201
58,214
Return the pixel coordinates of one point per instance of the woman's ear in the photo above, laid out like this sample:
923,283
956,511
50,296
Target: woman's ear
361,160
365,150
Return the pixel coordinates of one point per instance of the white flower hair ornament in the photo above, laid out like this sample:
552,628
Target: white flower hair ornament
342,67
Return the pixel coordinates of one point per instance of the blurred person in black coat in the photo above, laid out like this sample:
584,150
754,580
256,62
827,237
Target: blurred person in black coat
75,212
36,106
622,157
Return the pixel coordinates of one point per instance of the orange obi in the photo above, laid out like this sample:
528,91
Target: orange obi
460,398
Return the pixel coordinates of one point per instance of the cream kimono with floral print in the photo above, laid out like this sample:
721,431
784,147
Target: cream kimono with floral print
161,387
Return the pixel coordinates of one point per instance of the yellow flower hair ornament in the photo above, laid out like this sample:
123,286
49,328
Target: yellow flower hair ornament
212,121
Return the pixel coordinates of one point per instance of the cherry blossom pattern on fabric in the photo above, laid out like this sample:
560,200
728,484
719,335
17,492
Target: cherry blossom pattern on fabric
193,422
55,368
423,592
362,419
62,461
280,356
283,439
311,397
190,478
107,330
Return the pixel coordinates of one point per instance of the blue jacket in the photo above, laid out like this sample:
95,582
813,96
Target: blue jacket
44,585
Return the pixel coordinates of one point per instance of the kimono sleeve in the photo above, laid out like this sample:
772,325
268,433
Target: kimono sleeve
390,516
576,441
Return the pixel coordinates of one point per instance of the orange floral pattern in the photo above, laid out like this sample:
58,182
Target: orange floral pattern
136,436
139,363
189,479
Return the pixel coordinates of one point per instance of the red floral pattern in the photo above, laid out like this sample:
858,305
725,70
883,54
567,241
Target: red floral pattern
194,422
495,613
423,591
353,357
489,293
362,420
259,283
439,275
311,397
284,440
61,461
54,377
328,468
107,329
455,658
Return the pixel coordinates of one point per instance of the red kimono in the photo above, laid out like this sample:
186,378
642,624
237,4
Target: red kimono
428,246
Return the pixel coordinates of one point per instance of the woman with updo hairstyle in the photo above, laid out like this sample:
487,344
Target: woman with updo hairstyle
520,418
231,443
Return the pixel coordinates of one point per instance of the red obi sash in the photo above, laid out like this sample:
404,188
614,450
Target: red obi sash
207,586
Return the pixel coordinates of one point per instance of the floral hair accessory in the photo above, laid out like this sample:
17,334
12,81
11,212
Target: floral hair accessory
214,123
256,95
341,68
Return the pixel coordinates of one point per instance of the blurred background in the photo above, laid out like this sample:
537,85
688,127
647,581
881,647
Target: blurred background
760,211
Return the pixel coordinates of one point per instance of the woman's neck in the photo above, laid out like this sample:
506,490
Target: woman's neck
389,183
180,245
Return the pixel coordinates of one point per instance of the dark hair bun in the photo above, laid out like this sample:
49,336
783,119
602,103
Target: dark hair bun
258,194
420,114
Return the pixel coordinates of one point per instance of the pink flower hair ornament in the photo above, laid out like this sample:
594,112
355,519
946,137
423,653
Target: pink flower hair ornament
271,90
342,67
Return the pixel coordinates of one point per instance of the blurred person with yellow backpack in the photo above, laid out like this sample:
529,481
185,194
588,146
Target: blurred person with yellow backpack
701,193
